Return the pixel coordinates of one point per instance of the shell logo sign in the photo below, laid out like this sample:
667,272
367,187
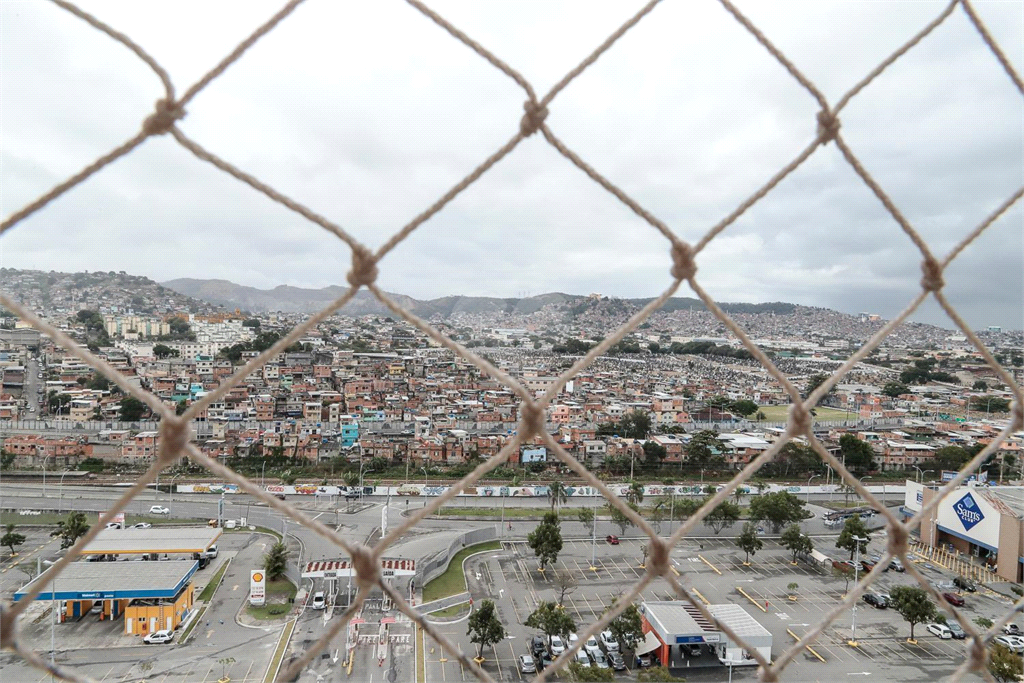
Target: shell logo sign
257,587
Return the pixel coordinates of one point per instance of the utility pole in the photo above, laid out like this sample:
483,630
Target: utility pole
593,539
856,566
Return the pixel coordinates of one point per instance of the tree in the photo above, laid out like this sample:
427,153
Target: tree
6,459
895,389
635,493
777,509
815,381
620,518
951,458
275,562
485,628
723,516
913,604
551,621
654,453
796,541
749,542
854,526
980,385
71,529
576,672
565,582
743,407
636,424
760,416
559,494
703,449
843,571
627,629
132,409
251,322
546,540
857,455
57,402
12,539
163,351
1004,665
586,516
658,674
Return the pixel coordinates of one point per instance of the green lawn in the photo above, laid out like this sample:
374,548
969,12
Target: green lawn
211,587
453,581
781,413
281,589
453,611
51,519
510,512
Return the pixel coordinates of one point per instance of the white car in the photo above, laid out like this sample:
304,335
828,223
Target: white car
557,646
142,525
609,642
159,637
159,510
1015,643
582,657
319,602
591,646
573,639
941,630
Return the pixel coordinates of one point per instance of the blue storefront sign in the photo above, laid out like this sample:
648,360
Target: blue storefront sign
968,511
686,640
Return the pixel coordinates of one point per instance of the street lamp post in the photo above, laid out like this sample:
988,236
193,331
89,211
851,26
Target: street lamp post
866,476
809,487
593,539
263,473
44,473
856,565
921,473
424,479
60,505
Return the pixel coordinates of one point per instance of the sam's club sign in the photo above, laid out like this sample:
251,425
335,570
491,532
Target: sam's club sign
968,511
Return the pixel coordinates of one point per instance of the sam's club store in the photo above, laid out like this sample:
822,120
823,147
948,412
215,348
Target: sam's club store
986,522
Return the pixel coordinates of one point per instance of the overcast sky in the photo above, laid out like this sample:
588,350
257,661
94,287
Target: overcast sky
367,112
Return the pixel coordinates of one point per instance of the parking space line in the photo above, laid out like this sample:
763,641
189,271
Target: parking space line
514,661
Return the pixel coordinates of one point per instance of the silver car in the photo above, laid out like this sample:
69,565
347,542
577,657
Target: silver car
602,663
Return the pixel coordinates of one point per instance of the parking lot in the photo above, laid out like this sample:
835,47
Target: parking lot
714,569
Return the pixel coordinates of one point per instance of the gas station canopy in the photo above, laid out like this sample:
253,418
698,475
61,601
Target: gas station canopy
144,541
114,580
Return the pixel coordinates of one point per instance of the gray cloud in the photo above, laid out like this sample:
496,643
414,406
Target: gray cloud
369,112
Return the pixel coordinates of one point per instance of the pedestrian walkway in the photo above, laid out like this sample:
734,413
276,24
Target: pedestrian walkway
954,561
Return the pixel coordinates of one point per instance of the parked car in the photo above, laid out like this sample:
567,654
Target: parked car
591,646
526,664
896,565
142,525
941,630
839,564
608,642
693,649
868,565
963,583
875,600
955,629
582,658
159,637
97,608
642,661
350,495
612,539
601,662
616,661
953,599
557,646
1015,643
319,601
159,510
1012,630
211,552
537,646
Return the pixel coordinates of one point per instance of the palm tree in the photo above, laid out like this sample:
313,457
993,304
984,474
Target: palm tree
635,494
558,494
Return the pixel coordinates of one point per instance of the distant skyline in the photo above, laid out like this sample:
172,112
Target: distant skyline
368,113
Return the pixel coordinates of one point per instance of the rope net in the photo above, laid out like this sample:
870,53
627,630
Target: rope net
174,433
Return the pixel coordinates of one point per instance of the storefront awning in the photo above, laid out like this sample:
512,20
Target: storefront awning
650,644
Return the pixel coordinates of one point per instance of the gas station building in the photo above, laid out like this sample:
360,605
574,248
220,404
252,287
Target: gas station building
670,625
150,593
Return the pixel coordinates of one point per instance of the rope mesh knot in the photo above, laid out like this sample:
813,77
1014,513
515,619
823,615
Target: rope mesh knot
683,265
932,280
657,557
799,419
174,437
828,126
533,119
367,570
531,420
364,267
898,540
163,118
